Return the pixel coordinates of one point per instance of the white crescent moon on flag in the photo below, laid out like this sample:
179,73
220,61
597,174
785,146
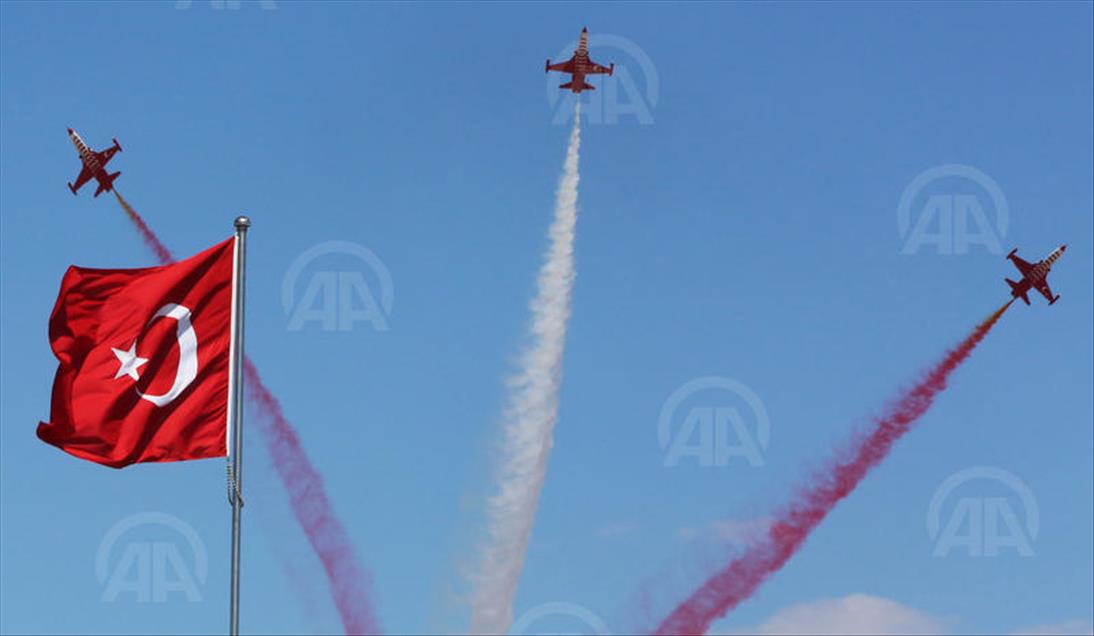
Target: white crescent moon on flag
188,353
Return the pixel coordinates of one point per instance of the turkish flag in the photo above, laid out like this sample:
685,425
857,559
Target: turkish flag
144,361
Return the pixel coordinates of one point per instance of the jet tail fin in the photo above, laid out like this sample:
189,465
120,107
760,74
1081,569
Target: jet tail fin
107,184
1014,291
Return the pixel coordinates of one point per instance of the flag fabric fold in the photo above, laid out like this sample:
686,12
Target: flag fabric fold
144,361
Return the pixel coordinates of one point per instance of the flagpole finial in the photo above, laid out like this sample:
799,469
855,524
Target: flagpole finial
242,222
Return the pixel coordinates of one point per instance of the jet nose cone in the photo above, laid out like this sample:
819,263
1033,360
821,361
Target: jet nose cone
1063,248
70,131
585,29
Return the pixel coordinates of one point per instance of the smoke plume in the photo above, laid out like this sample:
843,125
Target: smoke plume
349,583
150,239
529,417
812,503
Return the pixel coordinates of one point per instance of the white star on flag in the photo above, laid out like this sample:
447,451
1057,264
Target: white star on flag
130,362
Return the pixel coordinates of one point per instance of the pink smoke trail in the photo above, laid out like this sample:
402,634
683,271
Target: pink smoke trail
162,253
349,583
738,580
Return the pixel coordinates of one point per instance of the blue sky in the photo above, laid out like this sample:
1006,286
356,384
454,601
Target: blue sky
749,231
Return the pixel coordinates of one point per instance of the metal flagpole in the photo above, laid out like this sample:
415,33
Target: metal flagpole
235,399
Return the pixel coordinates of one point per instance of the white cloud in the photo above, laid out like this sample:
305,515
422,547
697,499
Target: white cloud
1059,629
865,614
854,614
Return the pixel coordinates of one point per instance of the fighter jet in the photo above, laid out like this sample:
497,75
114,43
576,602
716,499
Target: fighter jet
579,66
94,165
1034,275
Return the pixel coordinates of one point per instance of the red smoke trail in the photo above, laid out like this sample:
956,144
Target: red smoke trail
150,239
349,583
737,581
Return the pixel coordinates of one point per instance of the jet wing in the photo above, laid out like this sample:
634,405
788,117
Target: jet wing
83,178
597,69
1046,291
565,67
106,155
1022,265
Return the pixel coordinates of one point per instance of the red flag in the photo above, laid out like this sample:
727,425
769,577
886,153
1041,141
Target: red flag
144,356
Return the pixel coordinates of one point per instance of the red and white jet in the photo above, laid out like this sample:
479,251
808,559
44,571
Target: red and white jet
94,165
1034,275
579,66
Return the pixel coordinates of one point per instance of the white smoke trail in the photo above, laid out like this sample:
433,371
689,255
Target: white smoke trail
529,417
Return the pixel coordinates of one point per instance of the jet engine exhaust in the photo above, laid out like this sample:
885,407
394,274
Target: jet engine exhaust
738,580
349,583
529,417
